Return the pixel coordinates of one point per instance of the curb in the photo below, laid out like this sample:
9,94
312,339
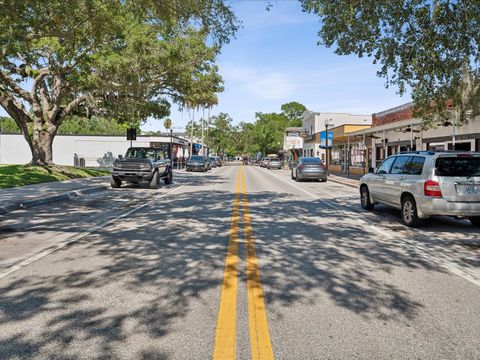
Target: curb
344,183
50,199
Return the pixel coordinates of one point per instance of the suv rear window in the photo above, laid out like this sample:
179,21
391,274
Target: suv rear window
458,166
312,160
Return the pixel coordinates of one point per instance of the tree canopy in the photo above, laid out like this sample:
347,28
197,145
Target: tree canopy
430,47
126,60
264,135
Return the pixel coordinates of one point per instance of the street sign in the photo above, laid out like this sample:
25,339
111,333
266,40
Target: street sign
131,134
322,139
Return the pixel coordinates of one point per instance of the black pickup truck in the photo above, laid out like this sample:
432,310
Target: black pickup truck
142,164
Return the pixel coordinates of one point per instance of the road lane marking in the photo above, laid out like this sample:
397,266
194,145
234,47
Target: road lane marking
225,336
420,249
260,344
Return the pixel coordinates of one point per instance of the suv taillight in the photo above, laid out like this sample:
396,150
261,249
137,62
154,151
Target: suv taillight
301,166
432,188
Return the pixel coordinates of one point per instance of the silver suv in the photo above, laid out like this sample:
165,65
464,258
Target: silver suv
425,183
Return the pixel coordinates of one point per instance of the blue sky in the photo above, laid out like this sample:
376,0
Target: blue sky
275,59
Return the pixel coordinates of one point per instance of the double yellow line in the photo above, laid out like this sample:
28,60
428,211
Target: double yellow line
225,337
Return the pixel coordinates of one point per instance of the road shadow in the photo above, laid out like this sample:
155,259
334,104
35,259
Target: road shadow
142,276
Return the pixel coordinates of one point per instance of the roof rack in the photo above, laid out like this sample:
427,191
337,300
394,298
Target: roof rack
421,152
433,152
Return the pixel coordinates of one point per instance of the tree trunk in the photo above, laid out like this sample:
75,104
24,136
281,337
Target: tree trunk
42,145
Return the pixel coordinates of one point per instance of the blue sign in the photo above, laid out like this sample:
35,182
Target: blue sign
322,139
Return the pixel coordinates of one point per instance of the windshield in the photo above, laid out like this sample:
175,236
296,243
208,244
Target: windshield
312,160
141,153
458,166
196,158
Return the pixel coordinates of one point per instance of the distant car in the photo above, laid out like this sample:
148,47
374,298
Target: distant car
142,164
197,163
213,161
426,183
311,168
216,161
274,163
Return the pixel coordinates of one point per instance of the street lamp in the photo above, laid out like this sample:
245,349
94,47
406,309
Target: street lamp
327,124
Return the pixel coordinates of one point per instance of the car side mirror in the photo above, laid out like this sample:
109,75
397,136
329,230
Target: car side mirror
371,170
120,156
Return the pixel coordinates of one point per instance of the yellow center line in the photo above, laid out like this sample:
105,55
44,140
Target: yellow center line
260,344
225,337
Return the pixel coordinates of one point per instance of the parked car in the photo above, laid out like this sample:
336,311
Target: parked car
197,163
209,163
263,162
213,161
142,164
311,168
274,163
426,183
216,161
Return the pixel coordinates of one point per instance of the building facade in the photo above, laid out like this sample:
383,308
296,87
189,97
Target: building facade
314,124
395,130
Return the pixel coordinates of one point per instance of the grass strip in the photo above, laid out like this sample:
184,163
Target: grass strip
21,175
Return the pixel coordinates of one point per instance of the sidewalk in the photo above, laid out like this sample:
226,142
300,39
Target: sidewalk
342,178
38,194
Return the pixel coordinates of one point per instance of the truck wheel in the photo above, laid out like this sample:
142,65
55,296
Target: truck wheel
475,220
169,178
155,180
116,183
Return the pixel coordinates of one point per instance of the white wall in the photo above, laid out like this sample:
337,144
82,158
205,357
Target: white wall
14,149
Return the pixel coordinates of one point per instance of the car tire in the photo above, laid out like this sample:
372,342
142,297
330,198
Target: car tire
365,199
168,179
293,177
116,183
409,212
475,220
155,181
296,177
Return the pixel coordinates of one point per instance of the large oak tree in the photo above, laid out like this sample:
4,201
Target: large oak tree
122,59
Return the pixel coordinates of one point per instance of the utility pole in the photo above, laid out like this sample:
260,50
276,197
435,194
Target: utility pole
171,148
327,124
203,120
208,120
453,130
191,132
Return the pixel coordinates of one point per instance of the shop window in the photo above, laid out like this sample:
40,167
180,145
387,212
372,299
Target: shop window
463,146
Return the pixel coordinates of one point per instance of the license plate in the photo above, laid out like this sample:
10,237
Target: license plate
469,190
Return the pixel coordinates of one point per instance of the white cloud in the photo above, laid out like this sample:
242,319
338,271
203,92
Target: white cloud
266,85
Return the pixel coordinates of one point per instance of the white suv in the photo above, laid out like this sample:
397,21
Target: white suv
425,183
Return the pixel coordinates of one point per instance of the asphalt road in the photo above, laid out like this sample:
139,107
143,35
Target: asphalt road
241,261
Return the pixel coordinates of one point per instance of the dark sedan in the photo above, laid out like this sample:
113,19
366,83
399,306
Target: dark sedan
197,163
309,168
